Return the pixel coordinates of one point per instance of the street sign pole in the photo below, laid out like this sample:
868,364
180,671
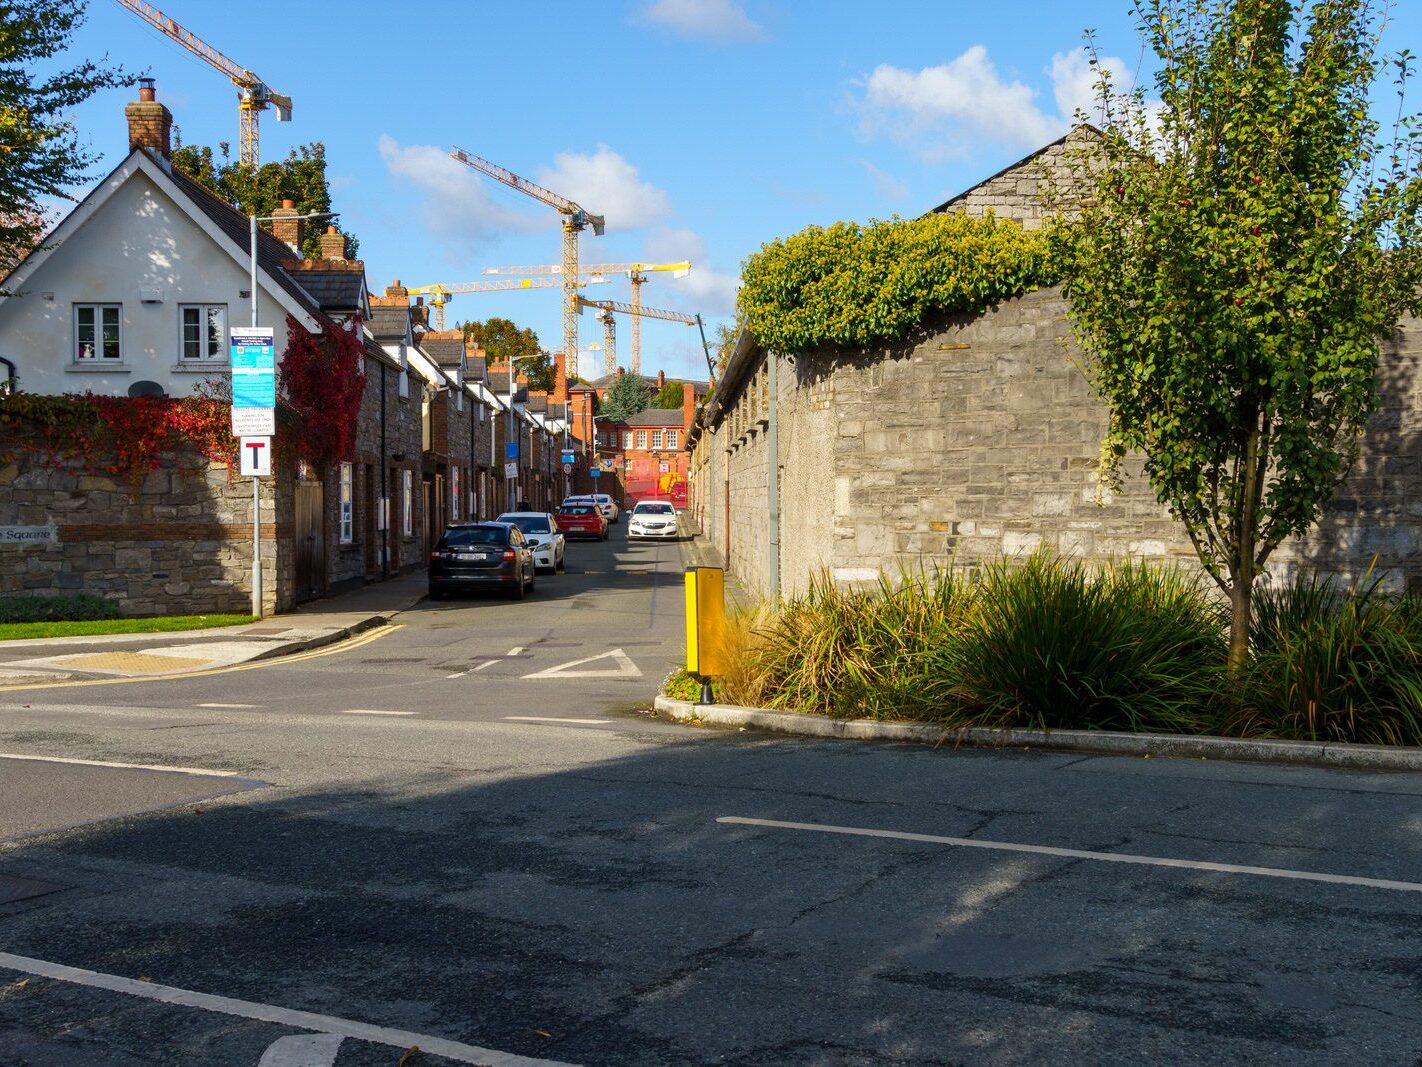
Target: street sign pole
256,608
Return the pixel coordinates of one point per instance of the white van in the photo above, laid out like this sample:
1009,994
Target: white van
606,505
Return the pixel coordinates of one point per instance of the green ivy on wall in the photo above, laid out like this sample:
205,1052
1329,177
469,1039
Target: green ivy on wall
857,286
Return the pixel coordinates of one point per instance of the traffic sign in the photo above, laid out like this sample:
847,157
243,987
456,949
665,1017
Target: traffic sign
595,473
510,470
253,422
567,468
511,450
253,361
568,456
256,457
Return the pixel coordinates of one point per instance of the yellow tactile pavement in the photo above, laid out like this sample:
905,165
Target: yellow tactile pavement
131,662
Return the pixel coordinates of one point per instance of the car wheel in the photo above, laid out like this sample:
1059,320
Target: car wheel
561,566
436,594
520,587
532,577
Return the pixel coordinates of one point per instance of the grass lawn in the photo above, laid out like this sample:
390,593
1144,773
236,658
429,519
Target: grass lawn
17,631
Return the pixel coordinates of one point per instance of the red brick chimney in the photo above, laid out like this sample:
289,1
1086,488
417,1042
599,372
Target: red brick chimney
150,124
286,225
661,378
688,404
333,244
396,291
560,378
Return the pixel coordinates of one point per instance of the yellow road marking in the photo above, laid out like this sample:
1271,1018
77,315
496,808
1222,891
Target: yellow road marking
315,653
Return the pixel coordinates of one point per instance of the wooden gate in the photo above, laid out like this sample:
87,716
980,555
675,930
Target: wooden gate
310,541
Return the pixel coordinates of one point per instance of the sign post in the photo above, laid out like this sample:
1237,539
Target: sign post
253,362
705,625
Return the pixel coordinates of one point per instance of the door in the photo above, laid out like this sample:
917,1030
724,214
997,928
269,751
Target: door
310,541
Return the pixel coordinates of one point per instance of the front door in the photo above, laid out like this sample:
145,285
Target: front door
310,541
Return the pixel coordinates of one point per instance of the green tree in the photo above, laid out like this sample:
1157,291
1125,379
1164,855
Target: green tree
40,151
626,396
300,177
1243,247
669,397
503,338
725,344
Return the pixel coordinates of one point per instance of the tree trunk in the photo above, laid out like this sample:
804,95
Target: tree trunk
1241,612
1241,594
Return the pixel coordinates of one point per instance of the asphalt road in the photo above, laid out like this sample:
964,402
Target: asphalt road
422,834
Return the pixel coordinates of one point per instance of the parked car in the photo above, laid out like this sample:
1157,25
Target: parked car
653,519
481,555
581,518
543,536
607,506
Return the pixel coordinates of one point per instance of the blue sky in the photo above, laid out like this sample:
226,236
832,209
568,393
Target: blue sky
700,128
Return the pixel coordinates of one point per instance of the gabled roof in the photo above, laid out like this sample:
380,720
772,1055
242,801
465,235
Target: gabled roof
701,388
476,367
446,351
656,417
390,324
499,385
1082,128
337,285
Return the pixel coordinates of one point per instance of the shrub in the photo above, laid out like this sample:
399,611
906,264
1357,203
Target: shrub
77,607
1334,664
1052,646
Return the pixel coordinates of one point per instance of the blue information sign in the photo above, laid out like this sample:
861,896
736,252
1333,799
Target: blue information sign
595,473
568,456
511,450
253,368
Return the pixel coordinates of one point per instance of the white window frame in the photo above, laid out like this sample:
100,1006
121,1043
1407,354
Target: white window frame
203,311
347,498
656,440
98,357
642,439
626,438
673,439
407,503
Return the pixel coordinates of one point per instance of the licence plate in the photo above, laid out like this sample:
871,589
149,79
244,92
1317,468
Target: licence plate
471,555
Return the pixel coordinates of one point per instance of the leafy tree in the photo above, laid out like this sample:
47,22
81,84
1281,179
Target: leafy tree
669,397
1243,248
626,396
300,177
40,151
503,338
725,343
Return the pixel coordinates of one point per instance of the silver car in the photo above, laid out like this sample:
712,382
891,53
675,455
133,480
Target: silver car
541,532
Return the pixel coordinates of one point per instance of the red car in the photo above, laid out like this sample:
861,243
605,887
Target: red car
581,520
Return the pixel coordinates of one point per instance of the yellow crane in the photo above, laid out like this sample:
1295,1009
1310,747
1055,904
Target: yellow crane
253,94
605,308
440,293
575,220
636,274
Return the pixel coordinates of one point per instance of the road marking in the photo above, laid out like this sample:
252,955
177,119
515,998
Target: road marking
302,1050
229,705
1081,854
276,661
271,1013
373,711
489,663
471,670
625,668
515,651
123,766
540,718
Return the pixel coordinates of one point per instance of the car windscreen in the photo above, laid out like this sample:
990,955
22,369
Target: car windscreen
473,535
528,523
576,509
653,509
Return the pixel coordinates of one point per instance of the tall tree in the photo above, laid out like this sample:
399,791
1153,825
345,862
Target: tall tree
671,396
1244,246
502,338
40,151
300,177
626,396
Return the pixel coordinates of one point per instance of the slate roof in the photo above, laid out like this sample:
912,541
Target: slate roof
338,290
499,386
656,417
388,323
475,368
538,404
446,351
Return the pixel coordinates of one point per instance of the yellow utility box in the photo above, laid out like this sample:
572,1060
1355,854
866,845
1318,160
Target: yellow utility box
705,621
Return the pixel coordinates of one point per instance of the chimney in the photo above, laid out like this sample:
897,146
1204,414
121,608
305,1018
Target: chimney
621,371
286,226
661,378
150,124
397,291
688,404
419,315
560,378
333,244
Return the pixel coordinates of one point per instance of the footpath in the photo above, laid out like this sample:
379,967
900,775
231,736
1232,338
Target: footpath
320,622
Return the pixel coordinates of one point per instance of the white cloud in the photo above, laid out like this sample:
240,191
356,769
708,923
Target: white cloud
937,109
704,289
889,187
606,184
702,20
458,207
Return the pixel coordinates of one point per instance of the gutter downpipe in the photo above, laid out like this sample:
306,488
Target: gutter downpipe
384,490
772,481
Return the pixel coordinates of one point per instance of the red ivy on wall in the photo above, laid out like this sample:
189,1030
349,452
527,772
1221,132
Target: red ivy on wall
115,435
321,380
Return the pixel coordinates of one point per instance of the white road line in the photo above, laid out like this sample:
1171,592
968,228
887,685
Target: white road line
229,705
123,766
515,651
481,666
1081,854
540,718
372,711
302,1050
624,668
271,1013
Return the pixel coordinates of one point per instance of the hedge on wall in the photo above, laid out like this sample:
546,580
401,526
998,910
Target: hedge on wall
849,285
321,381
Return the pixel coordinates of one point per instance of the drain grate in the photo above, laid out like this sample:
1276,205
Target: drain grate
14,889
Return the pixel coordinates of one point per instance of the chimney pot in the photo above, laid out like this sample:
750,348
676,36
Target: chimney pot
333,244
288,203
150,124
146,92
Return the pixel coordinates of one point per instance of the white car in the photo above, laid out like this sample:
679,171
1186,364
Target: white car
541,532
607,506
653,518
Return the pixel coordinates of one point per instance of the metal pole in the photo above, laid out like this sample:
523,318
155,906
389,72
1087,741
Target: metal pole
710,366
772,486
512,503
256,482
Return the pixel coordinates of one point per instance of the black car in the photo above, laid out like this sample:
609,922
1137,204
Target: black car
481,555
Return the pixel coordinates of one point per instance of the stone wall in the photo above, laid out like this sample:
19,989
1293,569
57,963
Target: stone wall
1017,192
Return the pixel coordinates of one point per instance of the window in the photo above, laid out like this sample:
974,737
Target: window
204,332
673,437
96,332
347,504
641,438
454,493
407,503
626,438
656,438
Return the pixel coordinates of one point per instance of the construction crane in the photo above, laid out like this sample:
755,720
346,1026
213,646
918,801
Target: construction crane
605,309
253,94
440,294
636,274
575,220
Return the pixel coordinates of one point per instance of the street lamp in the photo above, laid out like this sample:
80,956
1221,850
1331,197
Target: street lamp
256,481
